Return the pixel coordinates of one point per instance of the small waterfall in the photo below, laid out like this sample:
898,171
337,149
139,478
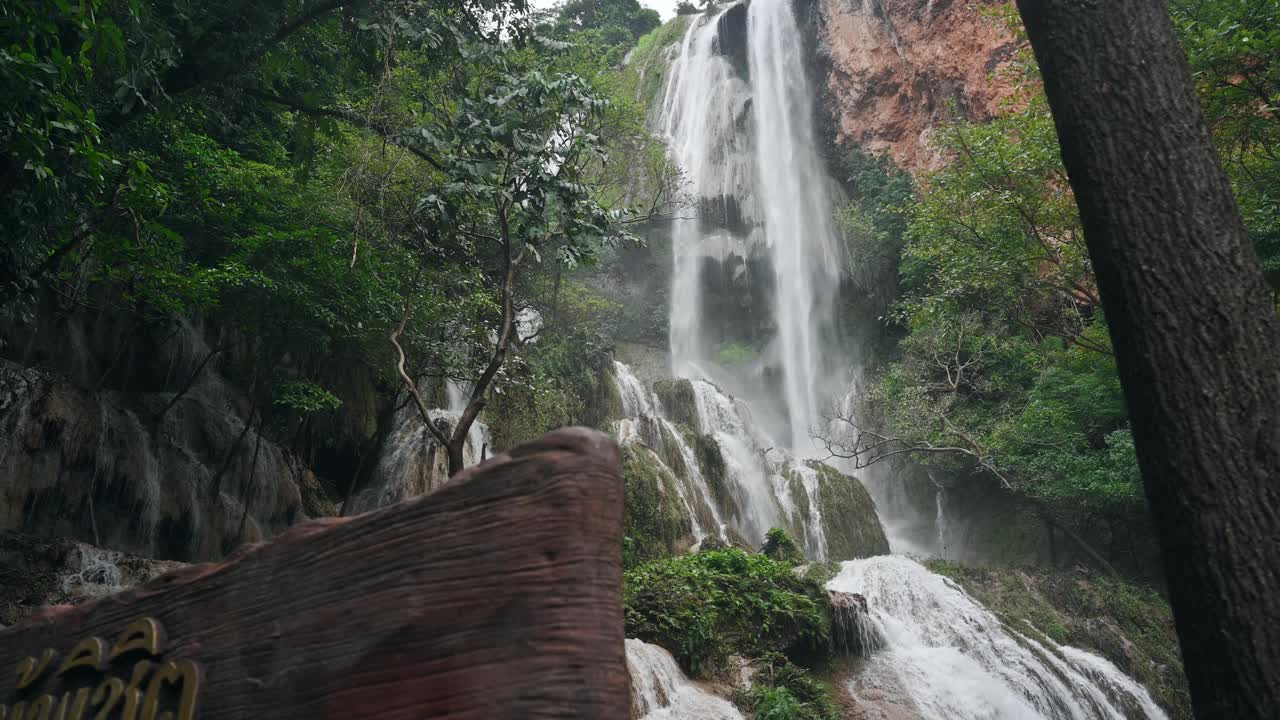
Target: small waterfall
414,463
645,424
945,657
456,395
768,485
940,499
694,474
637,401
659,691
814,538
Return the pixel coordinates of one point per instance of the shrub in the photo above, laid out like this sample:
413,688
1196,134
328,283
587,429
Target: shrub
779,546
705,607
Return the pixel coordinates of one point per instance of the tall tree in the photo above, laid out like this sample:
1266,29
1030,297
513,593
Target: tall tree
1195,335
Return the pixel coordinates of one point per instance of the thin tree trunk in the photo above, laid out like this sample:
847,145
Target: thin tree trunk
457,441
1195,335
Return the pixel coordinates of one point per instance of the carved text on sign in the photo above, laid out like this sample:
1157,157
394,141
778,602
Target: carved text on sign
97,681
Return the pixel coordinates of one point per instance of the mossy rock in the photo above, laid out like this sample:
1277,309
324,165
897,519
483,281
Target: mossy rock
849,517
714,470
655,523
602,400
679,402
1129,625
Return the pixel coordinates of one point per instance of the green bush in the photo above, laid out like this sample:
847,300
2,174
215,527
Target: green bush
784,691
704,607
779,546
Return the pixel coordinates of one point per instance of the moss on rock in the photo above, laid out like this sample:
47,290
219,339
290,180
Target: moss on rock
714,470
655,523
1129,625
679,402
849,517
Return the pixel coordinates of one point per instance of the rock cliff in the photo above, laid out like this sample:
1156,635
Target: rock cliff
894,69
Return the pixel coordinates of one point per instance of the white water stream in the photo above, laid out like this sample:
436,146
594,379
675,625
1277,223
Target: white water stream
946,657
660,691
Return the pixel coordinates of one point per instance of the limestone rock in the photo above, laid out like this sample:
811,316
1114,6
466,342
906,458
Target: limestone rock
98,466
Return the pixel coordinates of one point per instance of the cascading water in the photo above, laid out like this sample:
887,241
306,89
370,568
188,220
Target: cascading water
945,657
701,116
644,423
736,112
758,475
749,146
796,208
660,691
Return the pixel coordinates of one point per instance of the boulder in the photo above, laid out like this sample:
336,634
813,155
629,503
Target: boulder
36,572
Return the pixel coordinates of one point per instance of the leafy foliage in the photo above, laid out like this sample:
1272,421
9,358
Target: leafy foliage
1006,358
784,691
1233,49
707,606
313,173
779,546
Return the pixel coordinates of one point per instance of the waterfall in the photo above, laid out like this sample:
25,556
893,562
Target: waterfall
756,263
758,474
945,657
750,159
659,691
797,211
415,463
700,117
645,424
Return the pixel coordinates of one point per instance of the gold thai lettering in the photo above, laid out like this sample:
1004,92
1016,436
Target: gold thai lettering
30,669
182,673
43,709
133,691
79,703
145,634
90,652
151,683
107,696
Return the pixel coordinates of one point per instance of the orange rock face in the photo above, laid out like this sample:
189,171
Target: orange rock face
897,65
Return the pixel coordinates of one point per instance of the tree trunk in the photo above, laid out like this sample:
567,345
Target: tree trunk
456,460
1196,339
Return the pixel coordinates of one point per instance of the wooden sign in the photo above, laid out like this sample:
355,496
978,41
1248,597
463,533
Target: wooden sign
499,596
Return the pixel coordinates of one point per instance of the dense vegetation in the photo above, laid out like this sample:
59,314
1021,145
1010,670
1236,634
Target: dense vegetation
321,175
716,607
1003,365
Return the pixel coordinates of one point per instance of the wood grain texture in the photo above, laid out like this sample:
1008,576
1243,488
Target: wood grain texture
499,596
1196,336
